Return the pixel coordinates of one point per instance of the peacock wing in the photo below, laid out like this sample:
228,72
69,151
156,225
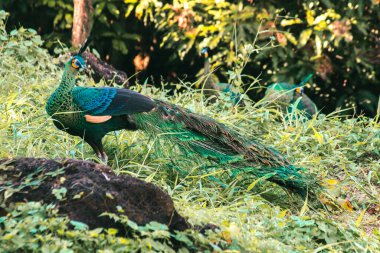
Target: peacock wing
307,105
108,101
280,93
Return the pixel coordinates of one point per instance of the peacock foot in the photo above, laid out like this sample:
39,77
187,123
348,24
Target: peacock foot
102,156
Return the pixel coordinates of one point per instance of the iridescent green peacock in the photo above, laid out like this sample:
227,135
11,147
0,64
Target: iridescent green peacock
291,97
216,89
91,113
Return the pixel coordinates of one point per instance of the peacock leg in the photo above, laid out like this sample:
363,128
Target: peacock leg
97,146
104,157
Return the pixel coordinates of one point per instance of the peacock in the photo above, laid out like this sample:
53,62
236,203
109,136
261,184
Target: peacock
92,112
291,97
212,88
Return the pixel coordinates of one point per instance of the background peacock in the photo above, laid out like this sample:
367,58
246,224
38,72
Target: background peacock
291,97
212,88
93,112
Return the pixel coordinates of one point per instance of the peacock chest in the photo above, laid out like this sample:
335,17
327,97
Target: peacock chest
66,114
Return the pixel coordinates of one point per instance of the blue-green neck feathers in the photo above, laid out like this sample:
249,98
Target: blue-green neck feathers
67,84
70,72
68,77
205,54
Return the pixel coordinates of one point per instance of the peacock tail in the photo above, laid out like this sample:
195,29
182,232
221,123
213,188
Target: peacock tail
198,135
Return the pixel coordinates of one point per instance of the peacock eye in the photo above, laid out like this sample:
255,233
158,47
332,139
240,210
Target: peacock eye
74,64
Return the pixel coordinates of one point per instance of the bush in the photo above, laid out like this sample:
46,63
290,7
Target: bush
336,40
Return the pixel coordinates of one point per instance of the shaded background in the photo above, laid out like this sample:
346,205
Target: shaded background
161,40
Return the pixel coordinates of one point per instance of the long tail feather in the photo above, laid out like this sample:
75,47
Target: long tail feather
208,138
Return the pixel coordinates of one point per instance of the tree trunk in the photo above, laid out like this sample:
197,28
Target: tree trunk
82,21
104,70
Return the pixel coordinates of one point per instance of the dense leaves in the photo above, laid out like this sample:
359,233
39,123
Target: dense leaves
337,40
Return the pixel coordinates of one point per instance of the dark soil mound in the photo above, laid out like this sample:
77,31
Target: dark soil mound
91,190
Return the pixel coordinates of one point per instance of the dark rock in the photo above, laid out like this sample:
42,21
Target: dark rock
100,191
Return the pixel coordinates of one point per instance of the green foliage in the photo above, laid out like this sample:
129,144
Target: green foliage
337,40
330,38
342,152
60,193
36,227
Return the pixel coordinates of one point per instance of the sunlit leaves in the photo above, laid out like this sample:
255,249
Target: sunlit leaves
290,22
60,193
304,37
113,9
345,204
79,225
360,218
310,17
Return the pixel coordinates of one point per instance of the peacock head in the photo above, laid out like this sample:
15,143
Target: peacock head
205,52
299,90
77,62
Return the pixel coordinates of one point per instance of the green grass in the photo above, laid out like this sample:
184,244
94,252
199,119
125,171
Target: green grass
342,152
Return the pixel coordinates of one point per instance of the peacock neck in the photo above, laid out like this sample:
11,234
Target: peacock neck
207,67
209,82
68,79
60,100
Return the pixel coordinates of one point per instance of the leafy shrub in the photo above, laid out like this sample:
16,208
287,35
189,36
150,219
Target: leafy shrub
337,40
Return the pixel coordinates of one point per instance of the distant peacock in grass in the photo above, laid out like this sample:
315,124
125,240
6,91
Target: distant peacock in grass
214,89
291,97
91,113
